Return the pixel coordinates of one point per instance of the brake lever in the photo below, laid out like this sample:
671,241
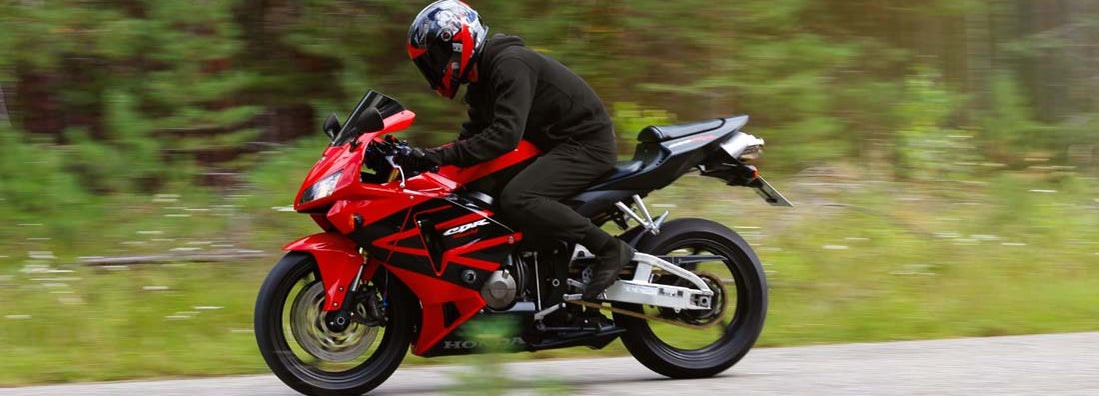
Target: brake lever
390,159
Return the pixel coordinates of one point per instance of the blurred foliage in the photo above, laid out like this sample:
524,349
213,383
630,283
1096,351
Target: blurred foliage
35,184
139,127
926,150
163,83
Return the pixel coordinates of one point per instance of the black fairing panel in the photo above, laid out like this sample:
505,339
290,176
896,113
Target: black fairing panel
432,229
661,163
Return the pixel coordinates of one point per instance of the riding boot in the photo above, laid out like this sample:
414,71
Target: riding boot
612,255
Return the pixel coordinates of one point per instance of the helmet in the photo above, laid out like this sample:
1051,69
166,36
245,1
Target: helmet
444,41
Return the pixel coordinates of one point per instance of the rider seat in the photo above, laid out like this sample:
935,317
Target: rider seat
657,134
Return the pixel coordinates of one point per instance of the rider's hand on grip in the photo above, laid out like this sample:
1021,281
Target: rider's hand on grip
416,159
392,147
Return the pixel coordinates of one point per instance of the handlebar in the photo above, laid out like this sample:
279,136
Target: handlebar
391,149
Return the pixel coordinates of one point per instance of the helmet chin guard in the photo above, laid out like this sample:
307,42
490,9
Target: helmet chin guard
444,41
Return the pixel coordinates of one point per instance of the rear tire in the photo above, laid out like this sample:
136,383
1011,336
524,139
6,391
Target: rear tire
745,296
287,312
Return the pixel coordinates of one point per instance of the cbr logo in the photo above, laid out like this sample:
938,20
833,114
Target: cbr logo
466,227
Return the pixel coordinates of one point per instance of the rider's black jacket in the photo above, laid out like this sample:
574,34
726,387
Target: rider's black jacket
523,94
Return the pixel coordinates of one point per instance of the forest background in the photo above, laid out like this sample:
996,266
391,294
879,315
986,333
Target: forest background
944,155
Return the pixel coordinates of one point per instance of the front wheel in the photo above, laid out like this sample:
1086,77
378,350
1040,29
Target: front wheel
719,337
313,358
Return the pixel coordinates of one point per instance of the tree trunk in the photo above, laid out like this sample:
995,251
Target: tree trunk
4,119
38,107
979,60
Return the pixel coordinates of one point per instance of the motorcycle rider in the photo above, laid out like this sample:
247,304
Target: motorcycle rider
516,93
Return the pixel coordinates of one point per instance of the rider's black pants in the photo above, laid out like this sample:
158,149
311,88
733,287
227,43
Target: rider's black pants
531,200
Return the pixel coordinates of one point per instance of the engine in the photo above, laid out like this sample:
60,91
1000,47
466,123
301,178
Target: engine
500,290
503,287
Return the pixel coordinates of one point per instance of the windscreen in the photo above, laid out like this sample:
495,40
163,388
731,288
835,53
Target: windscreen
385,105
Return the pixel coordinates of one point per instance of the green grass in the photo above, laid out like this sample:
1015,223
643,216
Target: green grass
856,262
97,324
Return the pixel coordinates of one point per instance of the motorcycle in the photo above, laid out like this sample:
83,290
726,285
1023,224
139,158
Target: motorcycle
411,260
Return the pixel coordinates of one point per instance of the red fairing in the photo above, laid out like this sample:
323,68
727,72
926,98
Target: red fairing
355,204
341,158
337,259
390,243
524,152
456,255
433,293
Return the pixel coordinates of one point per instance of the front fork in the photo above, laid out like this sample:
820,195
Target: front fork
341,264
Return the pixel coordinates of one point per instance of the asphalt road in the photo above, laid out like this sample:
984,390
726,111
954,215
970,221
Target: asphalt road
1063,364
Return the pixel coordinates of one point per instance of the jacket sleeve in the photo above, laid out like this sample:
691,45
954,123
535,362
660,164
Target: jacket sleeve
514,82
476,122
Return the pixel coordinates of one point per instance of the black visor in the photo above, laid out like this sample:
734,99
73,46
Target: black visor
433,64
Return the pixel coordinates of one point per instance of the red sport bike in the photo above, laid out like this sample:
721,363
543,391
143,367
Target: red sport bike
408,260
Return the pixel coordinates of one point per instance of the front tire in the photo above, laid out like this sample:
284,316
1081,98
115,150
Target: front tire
313,359
688,353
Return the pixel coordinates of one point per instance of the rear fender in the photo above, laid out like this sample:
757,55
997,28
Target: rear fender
338,261
728,164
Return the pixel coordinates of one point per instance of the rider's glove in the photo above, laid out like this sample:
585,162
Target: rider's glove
419,160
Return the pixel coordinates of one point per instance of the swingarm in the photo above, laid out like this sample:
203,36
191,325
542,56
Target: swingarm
640,289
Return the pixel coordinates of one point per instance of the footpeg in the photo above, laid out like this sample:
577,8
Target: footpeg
577,284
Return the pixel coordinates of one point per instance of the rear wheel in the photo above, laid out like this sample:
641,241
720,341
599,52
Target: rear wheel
314,358
720,336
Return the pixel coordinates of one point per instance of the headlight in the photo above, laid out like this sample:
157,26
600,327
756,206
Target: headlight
322,189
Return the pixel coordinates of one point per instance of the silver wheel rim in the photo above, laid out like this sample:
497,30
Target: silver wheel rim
309,329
